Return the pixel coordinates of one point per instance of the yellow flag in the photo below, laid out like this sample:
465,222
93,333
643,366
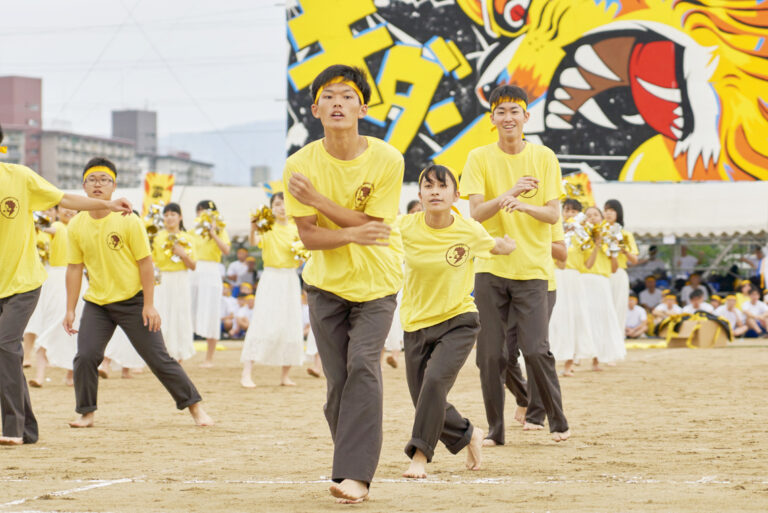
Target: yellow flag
157,189
274,187
577,186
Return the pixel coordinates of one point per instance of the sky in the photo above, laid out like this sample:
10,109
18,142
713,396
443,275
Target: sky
201,65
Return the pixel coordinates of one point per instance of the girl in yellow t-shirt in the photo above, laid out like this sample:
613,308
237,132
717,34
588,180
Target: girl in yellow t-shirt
172,296
275,334
439,315
608,335
614,213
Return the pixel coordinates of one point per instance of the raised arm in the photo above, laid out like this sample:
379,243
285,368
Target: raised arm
77,202
314,237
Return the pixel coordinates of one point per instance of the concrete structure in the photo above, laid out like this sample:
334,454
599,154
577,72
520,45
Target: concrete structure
21,107
139,126
64,155
15,139
181,165
259,175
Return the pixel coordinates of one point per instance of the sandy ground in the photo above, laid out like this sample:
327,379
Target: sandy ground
666,430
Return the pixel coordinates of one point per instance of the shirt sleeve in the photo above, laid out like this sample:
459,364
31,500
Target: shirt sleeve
74,251
631,244
294,207
42,194
138,241
483,243
385,198
553,184
558,233
643,315
472,179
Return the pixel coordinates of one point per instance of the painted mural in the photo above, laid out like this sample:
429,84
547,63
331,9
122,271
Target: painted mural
632,90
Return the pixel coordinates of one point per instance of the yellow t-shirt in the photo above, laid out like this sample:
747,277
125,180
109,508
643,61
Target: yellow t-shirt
629,240
59,246
110,249
439,269
490,172
602,265
207,249
558,235
42,239
276,246
575,259
370,183
22,191
163,261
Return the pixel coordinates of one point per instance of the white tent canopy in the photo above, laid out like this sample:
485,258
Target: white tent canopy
684,210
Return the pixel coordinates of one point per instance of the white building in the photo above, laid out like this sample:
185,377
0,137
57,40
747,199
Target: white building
180,165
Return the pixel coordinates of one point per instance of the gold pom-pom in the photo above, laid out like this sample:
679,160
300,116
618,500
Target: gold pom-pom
207,220
171,241
153,221
42,221
263,219
300,252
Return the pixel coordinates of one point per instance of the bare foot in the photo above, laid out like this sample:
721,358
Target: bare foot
392,361
201,418
11,440
126,374
286,382
489,442
520,414
568,373
68,379
418,468
27,365
475,450
561,437
313,372
206,364
103,373
350,491
247,383
596,365
35,383
85,421
529,426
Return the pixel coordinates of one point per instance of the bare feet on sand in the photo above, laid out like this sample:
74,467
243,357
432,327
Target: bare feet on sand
392,361
69,379
198,413
561,437
34,383
103,372
475,450
520,414
286,382
10,440
126,373
596,365
418,468
313,372
349,491
206,364
85,421
489,442
529,426
247,383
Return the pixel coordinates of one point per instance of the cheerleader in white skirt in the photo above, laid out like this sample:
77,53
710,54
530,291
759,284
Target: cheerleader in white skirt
275,335
394,341
614,213
51,343
121,355
207,284
173,295
608,335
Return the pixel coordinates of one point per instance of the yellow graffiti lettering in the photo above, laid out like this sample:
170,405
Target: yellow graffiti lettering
442,116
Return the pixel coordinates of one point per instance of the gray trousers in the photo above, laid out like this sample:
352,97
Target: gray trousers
519,305
350,337
526,393
433,358
96,328
15,407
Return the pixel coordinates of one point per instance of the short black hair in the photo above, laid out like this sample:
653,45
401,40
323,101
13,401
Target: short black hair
573,204
441,173
206,205
175,207
615,205
412,204
508,90
353,74
275,196
99,161
633,294
696,293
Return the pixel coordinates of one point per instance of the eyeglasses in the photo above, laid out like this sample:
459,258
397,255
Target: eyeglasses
101,180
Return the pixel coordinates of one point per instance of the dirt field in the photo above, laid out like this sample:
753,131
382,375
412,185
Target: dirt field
667,430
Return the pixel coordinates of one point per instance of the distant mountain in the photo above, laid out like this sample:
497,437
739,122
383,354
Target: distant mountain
233,150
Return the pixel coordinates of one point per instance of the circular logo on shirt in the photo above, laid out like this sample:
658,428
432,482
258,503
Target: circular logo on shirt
531,193
457,254
9,207
114,241
362,194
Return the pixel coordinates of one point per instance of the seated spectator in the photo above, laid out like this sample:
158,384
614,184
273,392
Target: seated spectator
754,260
651,297
686,264
734,316
716,301
228,309
697,303
252,274
694,283
637,319
742,296
237,270
667,308
757,314
243,315
414,206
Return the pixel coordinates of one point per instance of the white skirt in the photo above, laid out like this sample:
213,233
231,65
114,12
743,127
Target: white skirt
311,349
121,352
172,299
60,348
49,304
608,336
620,293
570,333
206,299
394,340
275,334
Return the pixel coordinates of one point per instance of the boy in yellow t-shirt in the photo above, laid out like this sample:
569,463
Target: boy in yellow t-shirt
514,187
343,191
23,192
121,285
439,315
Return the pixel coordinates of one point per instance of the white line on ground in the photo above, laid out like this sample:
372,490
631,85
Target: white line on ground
60,493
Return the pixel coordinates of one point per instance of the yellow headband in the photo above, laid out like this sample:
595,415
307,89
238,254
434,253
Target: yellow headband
453,173
3,149
99,169
731,296
340,80
505,99
715,297
668,296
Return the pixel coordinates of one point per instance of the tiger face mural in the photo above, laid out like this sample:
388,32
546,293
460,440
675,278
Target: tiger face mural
634,90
